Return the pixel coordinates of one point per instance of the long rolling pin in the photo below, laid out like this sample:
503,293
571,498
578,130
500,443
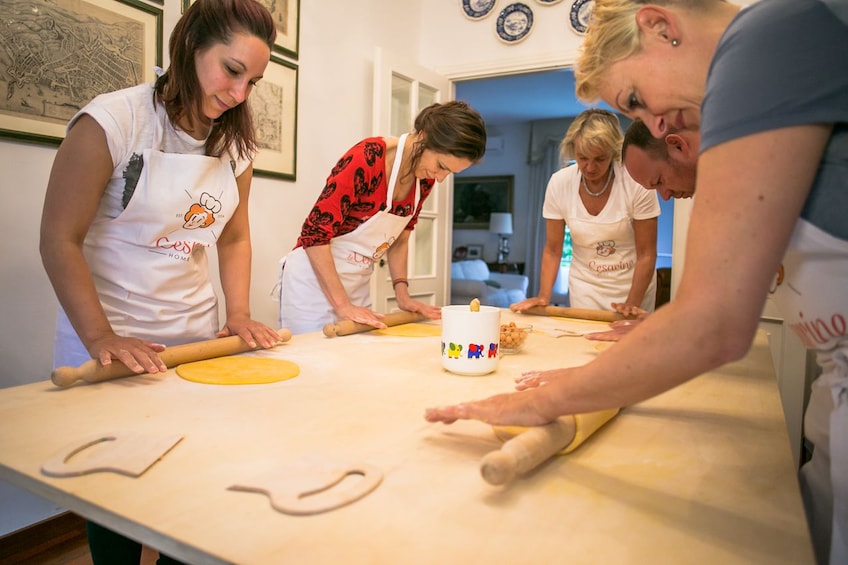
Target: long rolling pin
347,327
527,451
93,372
578,313
533,446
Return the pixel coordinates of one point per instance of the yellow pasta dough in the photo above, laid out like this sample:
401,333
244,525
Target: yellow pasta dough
236,370
411,330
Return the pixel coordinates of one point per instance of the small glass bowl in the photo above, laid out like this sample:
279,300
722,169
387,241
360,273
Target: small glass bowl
513,337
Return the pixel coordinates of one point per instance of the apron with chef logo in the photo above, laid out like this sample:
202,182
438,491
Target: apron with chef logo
303,305
604,259
810,291
149,263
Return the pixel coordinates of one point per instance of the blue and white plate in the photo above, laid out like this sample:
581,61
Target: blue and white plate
581,15
514,22
477,9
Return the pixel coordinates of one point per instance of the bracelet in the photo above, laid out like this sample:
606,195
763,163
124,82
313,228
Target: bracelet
399,281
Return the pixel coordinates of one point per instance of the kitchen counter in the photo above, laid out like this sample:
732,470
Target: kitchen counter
700,474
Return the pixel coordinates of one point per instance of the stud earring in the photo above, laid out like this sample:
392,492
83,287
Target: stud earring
675,42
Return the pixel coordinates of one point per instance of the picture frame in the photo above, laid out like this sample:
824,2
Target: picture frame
475,198
273,103
474,252
286,15
122,42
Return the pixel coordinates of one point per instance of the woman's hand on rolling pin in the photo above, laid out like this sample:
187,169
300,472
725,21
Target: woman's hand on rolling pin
528,303
255,334
410,305
138,355
628,310
516,409
361,315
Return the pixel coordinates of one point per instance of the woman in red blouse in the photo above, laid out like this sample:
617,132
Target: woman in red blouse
367,209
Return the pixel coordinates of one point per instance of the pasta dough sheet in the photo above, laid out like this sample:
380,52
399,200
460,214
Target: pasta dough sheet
237,370
411,330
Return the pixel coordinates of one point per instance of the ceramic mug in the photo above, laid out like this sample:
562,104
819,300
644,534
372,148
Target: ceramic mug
470,339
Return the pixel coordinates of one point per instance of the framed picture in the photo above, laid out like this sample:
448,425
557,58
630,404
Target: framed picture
274,106
286,14
475,198
474,252
66,52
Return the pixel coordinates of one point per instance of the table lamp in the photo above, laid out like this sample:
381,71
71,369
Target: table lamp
501,224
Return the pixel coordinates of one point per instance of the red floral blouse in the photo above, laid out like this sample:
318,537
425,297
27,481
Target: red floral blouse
356,190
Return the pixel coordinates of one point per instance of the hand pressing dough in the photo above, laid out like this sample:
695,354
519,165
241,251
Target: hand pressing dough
411,330
236,370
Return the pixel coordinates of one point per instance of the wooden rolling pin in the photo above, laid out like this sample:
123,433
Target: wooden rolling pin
93,372
530,447
578,313
347,327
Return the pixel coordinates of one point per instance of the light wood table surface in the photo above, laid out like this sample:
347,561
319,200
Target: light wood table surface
700,474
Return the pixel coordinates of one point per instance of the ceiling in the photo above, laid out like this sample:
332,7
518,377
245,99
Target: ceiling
524,97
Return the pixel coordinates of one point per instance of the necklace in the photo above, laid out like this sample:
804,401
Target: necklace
600,192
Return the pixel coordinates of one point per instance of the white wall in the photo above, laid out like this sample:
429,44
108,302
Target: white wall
457,46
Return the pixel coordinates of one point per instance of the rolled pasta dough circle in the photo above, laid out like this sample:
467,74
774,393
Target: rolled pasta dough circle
238,371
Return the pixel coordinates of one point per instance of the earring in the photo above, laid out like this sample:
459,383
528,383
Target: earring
675,42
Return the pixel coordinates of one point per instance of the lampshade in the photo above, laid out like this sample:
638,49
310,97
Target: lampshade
500,223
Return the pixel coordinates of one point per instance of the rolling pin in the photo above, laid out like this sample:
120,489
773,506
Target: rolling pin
93,372
347,327
527,448
578,313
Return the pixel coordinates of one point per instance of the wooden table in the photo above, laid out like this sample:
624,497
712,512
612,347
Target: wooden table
701,474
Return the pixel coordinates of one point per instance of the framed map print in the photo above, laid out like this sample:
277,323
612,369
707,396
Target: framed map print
286,14
55,56
274,106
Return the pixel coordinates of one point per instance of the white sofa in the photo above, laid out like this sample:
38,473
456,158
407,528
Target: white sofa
472,279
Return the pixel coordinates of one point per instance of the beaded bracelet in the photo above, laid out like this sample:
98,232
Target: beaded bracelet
399,281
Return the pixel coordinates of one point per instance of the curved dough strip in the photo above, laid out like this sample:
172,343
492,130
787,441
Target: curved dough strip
306,489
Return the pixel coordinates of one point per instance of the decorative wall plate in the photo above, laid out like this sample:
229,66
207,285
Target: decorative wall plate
581,15
477,9
514,22
548,2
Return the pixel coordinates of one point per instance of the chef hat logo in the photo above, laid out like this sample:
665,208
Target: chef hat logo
202,214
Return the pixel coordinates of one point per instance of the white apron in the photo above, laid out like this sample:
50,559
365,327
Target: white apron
810,291
149,263
303,305
604,259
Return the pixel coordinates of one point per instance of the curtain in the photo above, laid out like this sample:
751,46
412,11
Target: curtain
543,160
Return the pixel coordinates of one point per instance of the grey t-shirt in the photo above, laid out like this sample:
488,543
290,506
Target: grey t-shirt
784,63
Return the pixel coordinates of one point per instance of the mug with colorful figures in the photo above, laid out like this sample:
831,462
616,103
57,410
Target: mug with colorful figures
470,338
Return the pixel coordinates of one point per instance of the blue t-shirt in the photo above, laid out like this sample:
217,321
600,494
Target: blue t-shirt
784,63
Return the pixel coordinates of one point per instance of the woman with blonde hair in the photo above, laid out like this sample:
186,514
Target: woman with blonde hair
768,89
613,223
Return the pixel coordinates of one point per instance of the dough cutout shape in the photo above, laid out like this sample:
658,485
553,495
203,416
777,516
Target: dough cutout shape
307,489
237,370
126,453
411,330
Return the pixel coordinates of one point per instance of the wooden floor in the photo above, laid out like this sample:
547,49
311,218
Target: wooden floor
58,541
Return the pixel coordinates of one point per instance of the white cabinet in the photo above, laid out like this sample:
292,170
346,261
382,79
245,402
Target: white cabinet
790,365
